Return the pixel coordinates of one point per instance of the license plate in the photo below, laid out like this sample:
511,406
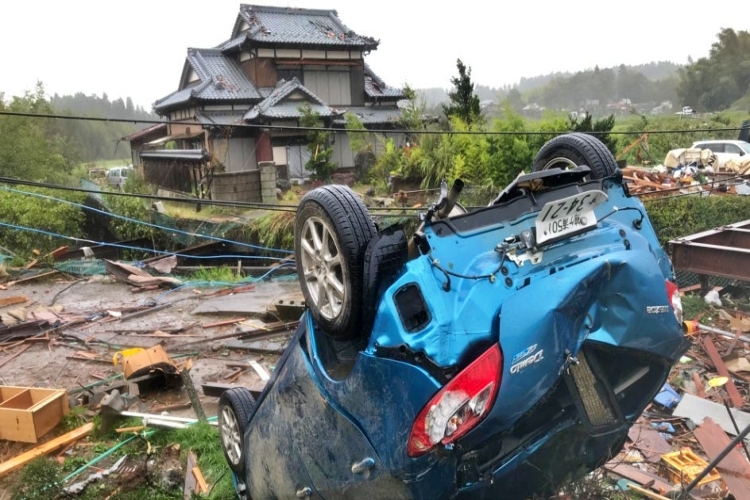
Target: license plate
568,216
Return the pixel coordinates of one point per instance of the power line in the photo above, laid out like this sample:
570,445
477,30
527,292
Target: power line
288,128
130,247
149,224
199,201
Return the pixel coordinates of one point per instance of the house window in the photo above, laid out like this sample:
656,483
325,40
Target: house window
333,87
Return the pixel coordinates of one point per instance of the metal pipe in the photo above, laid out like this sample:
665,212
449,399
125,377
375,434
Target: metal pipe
451,199
723,333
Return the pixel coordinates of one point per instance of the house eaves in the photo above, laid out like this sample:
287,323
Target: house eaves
177,154
221,80
266,25
278,105
375,87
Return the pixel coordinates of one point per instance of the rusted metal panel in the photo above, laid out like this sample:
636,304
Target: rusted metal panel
723,251
713,353
734,468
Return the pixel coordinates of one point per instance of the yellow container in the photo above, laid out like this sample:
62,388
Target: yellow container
686,466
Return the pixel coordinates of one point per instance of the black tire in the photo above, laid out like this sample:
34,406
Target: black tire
235,406
385,256
570,150
330,268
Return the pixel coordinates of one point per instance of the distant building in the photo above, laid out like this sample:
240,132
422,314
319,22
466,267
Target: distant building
276,60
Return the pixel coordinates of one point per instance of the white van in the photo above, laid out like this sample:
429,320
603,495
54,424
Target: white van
117,176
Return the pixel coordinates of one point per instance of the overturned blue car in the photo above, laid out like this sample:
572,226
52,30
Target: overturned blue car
497,353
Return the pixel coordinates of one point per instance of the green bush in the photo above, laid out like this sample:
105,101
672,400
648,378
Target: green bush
25,210
681,216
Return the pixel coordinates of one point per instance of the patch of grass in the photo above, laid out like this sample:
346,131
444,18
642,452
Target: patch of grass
39,479
204,440
275,230
223,274
74,419
693,305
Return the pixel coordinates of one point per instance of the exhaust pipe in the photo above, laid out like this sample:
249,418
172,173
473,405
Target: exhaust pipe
450,200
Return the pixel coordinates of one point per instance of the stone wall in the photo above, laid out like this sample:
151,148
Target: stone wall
237,186
267,181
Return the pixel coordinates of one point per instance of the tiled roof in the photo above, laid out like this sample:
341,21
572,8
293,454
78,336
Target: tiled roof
286,25
376,87
221,78
274,107
372,115
144,132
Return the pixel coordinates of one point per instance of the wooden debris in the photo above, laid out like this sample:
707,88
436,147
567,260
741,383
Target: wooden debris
19,461
224,323
734,395
16,299
31,278
137,428
649,442
638,476
734,468
699,385
202,486
191,481
13,356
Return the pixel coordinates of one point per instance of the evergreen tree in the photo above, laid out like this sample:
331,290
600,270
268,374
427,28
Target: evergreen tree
464,104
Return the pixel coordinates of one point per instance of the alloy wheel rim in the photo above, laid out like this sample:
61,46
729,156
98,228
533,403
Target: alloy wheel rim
230,435
322,267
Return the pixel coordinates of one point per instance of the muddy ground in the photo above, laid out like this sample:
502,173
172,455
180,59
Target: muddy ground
47,363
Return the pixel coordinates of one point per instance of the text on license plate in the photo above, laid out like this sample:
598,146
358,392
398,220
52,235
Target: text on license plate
568,215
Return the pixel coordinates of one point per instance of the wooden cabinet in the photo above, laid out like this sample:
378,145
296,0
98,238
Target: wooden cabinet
28,413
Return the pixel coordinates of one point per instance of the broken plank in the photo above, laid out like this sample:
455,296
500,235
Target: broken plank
16,299
734,468
224,323
20,460
137,428
646,493
191,482
699,385
30,278
201,486
734,395
14,355
638,476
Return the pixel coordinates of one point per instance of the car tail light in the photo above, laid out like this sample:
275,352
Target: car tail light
673,294
460,405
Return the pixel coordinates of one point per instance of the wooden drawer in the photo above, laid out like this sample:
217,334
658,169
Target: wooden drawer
28,413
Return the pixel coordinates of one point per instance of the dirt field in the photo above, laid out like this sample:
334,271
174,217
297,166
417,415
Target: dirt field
101,305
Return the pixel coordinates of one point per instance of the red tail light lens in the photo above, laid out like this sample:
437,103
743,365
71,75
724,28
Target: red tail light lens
673,294
459,406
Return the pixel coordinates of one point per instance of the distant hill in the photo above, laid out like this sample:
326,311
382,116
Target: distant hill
653,72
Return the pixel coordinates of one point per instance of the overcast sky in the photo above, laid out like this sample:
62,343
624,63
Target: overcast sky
137,48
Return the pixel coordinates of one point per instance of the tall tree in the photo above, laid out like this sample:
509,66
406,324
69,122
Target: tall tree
715,82
464,104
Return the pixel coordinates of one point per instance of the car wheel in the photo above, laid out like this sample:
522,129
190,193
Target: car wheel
234,409
571,150
331,233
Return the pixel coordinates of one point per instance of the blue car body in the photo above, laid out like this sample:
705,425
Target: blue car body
594,301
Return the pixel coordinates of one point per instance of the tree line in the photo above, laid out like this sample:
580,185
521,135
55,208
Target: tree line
47,149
